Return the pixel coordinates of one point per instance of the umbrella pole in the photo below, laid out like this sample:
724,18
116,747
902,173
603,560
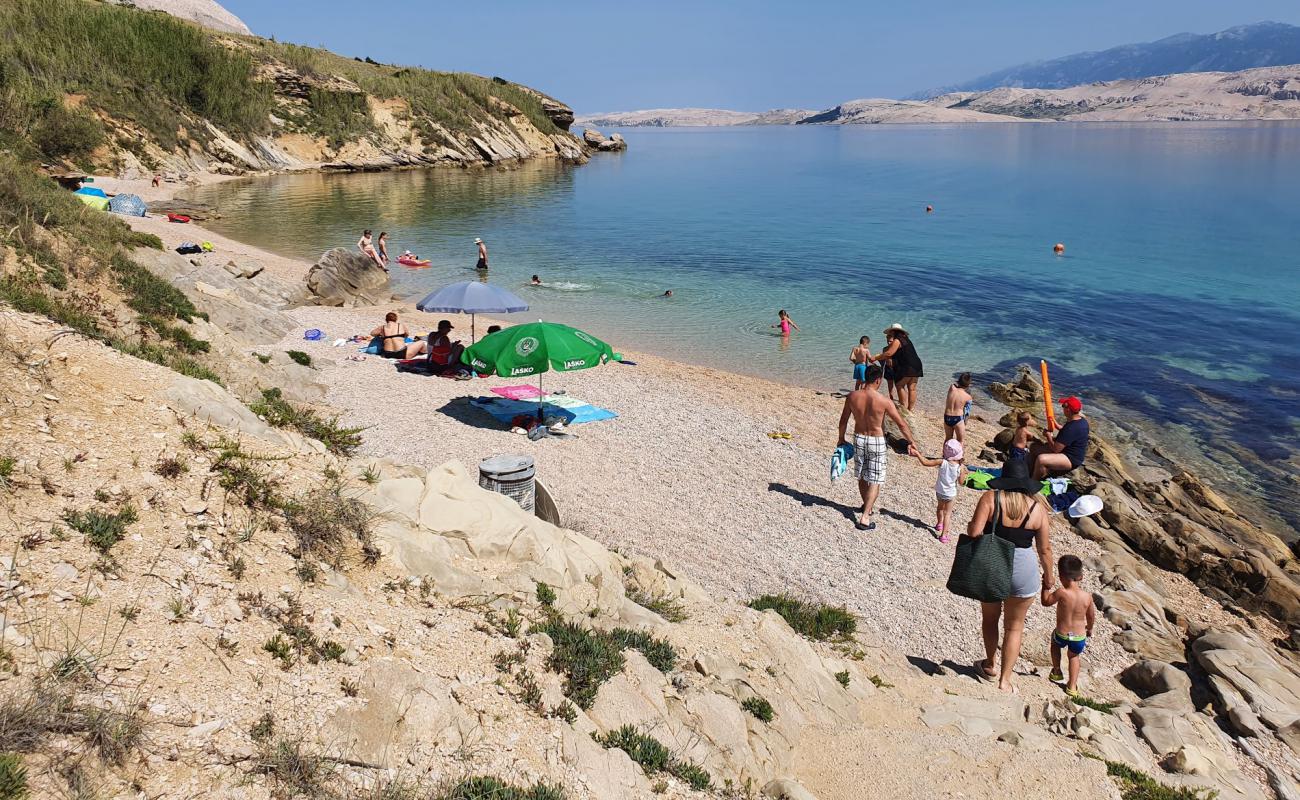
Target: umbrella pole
473,334
540,395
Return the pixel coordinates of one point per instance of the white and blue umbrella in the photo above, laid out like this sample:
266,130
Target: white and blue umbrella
472,297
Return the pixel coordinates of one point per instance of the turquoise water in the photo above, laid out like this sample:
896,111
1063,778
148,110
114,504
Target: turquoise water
1178,298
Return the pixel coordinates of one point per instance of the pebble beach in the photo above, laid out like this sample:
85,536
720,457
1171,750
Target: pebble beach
687,474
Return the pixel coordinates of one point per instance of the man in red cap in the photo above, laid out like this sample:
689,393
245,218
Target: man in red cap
1065,449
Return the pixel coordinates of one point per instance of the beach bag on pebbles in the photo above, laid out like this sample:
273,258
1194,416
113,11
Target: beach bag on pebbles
981,567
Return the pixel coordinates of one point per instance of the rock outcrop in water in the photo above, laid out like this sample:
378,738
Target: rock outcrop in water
600,142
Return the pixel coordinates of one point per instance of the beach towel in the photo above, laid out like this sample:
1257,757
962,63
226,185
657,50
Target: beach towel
571,410
525,392
840,460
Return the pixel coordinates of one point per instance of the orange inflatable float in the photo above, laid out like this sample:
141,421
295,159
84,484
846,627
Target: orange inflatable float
1047,397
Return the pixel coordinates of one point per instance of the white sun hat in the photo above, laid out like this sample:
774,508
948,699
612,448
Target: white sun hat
1085,506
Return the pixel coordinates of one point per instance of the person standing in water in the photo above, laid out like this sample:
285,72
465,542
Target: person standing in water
482,263
859,358
785,323
382,241
906,365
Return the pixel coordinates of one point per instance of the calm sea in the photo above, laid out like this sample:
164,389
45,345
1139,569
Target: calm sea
1176,307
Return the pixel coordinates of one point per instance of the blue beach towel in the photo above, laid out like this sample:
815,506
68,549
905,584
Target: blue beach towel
571,410
840,460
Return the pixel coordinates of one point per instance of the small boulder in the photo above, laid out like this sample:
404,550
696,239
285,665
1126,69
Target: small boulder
344,278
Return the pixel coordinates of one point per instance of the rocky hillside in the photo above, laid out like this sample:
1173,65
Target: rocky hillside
97,85
1265,44
207,13
1258,94
881,111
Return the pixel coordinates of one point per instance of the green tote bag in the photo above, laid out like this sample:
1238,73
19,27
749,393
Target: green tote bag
981,568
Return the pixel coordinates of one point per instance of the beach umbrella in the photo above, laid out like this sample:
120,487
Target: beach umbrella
472,297
534,348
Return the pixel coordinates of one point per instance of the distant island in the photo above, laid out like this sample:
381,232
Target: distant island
1250,72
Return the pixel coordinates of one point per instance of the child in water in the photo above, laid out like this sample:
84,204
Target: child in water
859,358
1075,616
952,472
1019,449
785,323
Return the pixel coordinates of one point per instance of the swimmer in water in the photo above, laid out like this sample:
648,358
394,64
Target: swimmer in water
929,209
668,293
537,281
785,323
1059,249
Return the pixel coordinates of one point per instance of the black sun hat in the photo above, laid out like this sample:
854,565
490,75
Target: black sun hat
1015,478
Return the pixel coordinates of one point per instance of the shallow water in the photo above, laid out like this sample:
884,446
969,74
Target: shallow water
1176,299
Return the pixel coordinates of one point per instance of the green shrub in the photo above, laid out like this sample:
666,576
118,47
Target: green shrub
488,788
299,357
1137,785
814,621
587,658
843,678
282,414
653,756
326,523
7,466
666,606
759,707
13,777
545,595
63,133
101,529
150,295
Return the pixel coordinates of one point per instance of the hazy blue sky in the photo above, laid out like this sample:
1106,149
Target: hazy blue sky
611,55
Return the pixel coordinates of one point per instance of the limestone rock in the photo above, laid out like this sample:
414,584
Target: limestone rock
598,141
1023,392
1252,669
786,789
1148,677
395,705
344,278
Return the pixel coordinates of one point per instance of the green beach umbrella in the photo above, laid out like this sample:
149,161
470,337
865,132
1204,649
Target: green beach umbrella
534,348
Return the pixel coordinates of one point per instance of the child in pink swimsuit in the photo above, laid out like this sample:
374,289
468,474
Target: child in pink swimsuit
785,323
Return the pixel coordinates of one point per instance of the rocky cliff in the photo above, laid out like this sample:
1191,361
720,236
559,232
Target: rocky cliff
181,98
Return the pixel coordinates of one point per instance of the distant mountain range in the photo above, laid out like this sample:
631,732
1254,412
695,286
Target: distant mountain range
1245,73
1265,44
1269,93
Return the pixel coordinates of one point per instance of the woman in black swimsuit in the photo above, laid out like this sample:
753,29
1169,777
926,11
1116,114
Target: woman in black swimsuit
906,364
393,335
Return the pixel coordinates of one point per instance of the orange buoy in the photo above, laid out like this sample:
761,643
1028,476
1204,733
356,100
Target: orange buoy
1059,249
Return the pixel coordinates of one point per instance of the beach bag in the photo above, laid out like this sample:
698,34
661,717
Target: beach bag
981,567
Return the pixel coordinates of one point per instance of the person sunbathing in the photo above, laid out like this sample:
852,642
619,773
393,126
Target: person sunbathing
392,336
438,346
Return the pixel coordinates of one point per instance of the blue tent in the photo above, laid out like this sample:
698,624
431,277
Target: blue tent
128,204
93,191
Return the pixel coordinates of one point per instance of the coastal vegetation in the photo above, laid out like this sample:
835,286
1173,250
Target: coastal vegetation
81,79
653,755
813,620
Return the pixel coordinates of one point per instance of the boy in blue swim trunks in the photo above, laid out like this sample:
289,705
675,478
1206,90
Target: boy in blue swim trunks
1075,616
860,357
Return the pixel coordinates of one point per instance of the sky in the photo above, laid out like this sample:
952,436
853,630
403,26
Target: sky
755,55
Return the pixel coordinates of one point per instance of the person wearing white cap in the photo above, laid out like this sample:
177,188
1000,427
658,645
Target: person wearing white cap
482,254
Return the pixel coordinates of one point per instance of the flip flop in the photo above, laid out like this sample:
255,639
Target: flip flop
862,527
984,672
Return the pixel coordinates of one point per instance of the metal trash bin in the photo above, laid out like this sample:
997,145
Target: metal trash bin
512,476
